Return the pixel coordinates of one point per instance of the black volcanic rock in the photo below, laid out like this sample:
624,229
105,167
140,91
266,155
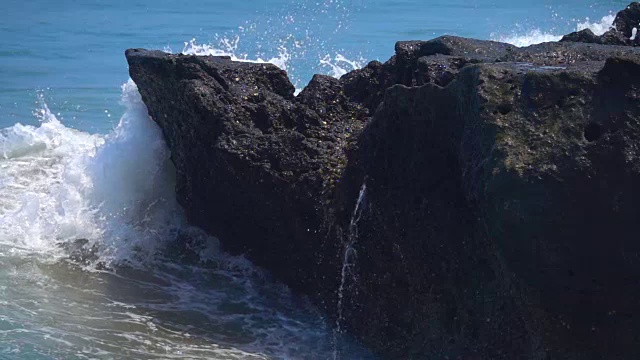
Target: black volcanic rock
492,215
620,34
499,206
628,19
585,36
255,166
417,63
611,37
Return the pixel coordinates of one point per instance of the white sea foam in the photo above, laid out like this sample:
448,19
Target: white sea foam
340,65
537,36
335,66
229,47
598,27
58,185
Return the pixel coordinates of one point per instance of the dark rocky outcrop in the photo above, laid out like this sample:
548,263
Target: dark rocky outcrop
585,36
255,166
621,32
499,214
627,19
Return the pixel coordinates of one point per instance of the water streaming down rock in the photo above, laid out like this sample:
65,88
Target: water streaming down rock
348,263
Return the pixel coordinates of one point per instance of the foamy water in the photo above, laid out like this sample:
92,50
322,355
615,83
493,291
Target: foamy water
96,259
335,66
537,36
61,184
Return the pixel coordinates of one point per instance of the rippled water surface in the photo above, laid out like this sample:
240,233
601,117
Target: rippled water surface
57,310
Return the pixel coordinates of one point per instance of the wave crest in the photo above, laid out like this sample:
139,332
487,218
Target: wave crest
537,36
113,192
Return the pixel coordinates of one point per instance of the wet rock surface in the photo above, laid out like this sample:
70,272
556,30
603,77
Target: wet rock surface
500,213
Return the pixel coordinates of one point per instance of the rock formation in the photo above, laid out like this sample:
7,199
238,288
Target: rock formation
499,215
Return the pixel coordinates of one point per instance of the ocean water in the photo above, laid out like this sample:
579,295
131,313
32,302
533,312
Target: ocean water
89,224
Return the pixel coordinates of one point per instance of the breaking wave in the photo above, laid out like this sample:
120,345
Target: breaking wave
537,36
115,192
96,256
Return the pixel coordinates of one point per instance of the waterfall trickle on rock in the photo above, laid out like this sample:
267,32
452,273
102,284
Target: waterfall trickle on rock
348,262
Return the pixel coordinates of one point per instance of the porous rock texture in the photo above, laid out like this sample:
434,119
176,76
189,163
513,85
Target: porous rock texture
499,215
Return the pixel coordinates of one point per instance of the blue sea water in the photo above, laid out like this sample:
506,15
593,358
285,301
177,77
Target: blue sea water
72,51
82,167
